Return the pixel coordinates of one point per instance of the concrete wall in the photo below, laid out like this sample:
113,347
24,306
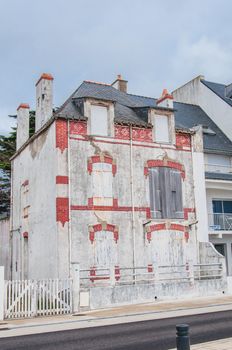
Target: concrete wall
34,209
5,248
197,93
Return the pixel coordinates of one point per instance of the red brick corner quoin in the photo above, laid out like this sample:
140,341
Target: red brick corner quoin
62,210
61,134
101,159
100,227
164,163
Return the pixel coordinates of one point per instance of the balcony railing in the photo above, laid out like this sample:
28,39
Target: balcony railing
216,168
220,222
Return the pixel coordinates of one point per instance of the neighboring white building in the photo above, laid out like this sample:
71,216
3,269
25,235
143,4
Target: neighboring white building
215,100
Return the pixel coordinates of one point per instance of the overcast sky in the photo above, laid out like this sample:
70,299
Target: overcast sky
152,43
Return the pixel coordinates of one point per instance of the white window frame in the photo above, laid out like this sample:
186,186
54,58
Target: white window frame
102,184
99,110
157,130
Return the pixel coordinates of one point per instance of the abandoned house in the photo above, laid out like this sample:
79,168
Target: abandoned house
108,179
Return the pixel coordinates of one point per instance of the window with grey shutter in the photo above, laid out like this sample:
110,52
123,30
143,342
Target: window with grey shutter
155,193
165,185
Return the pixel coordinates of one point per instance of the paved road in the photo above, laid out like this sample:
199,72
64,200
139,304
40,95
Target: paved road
146,335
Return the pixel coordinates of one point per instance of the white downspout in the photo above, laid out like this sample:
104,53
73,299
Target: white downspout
69,206
132,200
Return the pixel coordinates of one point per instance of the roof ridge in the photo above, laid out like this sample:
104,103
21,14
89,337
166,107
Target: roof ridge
96,82
189,104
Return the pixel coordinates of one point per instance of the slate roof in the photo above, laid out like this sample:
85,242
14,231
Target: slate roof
218,89
133,109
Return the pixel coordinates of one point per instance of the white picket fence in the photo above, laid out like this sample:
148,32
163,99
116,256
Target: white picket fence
31,298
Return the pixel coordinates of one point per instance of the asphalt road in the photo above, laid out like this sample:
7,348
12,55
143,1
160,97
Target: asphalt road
146,335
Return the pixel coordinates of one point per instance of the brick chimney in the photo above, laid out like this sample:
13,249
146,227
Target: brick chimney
22,124
166,100
120,84
44,100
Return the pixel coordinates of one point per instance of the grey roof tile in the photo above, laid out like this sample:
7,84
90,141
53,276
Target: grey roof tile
133,109
218,89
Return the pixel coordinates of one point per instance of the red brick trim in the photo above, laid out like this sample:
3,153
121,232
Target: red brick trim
101,159
128,144
94,277
62,210
149,268
62,180
164,96
166,227
61,134
78,128
23,105
122,132
117,272
46,76
187,211
183,140
101,227
164,163
115,207
25,234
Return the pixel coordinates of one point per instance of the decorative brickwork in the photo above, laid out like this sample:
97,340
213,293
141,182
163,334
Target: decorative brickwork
187,211
61,180
138,134
62,210
61,134
101,159
78,128
183,141
167,227
103,227
164,163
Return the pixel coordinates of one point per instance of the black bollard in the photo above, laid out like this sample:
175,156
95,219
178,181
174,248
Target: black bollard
182,337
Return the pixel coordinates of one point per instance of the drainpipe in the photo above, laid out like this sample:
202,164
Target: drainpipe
132,200
197,243
69,206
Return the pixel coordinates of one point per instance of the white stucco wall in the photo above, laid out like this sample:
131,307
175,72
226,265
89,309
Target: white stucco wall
37,165
195,92
5,251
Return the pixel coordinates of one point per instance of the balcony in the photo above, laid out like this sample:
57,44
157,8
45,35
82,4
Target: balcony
220,222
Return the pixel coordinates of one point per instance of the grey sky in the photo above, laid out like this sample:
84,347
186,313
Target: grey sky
152,43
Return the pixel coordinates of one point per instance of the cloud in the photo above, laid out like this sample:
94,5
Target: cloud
205,56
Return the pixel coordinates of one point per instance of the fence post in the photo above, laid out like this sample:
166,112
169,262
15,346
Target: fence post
2,289
182,337
75,274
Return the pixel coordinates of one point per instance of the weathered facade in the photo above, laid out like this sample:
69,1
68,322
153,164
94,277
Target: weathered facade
109,179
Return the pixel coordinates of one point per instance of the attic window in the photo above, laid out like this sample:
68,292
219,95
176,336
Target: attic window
208,131
99,120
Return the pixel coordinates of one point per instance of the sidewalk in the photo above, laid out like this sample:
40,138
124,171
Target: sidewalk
223,344
117,315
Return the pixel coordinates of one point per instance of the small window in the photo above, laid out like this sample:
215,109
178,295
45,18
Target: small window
102,184
162,133
165,193
99,120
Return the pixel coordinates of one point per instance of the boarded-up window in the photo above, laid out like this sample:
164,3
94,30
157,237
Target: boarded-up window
105,249
99,120
165,186
102,184
162,129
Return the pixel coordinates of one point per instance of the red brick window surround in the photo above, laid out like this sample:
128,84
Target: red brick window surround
164,163
167,227
101,159
103,227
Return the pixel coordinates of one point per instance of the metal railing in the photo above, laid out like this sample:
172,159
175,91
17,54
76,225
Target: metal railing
149,274
220,222
217,168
